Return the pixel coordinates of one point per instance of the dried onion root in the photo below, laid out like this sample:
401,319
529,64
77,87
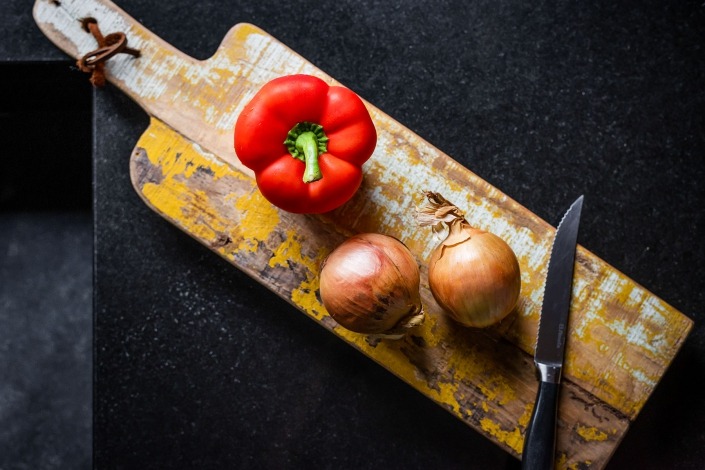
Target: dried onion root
474,275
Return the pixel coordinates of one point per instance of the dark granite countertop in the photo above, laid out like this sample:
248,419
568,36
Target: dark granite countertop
199,366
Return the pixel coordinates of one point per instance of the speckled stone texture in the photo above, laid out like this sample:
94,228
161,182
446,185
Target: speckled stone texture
198,366
46,267
45,340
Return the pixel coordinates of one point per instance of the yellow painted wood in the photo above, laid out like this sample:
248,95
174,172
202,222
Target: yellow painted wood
621,339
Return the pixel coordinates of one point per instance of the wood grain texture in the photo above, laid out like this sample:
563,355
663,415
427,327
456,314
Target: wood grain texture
621,340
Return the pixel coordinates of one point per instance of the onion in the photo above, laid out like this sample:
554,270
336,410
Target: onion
370,284
473,275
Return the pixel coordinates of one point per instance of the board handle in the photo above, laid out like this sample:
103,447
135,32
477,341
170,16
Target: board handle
64,23
179,90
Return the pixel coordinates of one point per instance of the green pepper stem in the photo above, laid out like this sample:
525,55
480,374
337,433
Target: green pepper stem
307,143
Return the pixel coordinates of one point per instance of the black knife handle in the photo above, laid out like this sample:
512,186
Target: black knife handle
540,440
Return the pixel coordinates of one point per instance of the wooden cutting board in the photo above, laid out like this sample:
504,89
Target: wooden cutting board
622,338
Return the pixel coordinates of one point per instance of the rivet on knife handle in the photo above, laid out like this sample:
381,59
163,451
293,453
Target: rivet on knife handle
540,439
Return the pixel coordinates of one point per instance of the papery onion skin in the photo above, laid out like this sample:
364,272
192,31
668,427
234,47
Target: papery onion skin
474,275
477,281
370,284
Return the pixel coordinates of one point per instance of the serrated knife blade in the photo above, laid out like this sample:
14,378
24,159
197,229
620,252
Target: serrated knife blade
540,439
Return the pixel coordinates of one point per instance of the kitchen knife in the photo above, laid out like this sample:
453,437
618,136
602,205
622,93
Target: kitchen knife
540,440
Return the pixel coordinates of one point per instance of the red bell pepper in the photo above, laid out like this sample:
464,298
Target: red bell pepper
306,141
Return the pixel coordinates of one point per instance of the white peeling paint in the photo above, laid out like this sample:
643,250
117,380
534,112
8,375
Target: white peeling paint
653,311
636,373
636,296
66,21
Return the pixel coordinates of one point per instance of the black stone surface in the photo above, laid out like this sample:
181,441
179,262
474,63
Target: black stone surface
198,366
46,266
45,340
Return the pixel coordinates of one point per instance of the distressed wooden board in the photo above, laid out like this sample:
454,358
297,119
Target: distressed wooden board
622,337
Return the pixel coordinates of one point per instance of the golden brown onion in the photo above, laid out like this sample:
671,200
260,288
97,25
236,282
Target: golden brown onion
473,275
370,284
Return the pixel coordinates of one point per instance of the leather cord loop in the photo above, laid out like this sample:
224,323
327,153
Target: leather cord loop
108,46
